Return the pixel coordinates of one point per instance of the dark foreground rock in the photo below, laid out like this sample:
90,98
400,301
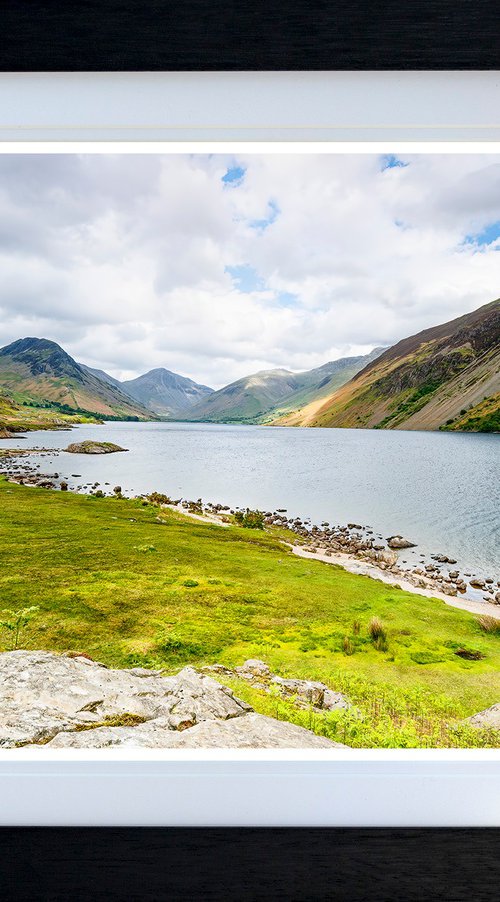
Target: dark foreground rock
59,701
89,447
400,542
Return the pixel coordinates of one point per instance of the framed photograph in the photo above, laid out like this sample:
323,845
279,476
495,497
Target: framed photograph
249,401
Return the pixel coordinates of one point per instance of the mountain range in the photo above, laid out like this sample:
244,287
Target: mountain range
447,377
263,396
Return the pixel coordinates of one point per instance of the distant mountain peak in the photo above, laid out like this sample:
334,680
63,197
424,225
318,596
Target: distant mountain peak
166,393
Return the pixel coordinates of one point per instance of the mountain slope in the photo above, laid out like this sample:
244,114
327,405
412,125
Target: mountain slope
263,396
321,382
40,371
247,399
102,375
166,393
444,377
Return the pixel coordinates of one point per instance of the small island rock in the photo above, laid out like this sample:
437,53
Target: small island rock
91,447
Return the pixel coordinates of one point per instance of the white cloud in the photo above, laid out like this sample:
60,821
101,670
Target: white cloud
123,259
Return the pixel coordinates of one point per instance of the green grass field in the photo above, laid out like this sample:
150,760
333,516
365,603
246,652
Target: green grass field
113,582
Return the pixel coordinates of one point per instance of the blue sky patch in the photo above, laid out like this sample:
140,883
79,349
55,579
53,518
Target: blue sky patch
245,277
234,176
286,299
389,161
262,224
488,235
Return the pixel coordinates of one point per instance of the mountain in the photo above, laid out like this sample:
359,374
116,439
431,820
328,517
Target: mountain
39,371
246,399
321,382
446,377
104,377
263,396
166,394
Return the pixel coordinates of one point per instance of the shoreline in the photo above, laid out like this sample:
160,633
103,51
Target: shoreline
362,568
353,547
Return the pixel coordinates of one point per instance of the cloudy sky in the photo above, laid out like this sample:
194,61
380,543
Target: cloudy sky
216,266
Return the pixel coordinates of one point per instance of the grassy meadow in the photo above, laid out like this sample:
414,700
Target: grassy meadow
131,584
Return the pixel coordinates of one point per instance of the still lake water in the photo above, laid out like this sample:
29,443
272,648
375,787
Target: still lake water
439,489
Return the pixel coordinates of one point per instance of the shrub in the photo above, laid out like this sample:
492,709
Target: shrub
250,519
347,646
376,629
159,498
190,583
356,627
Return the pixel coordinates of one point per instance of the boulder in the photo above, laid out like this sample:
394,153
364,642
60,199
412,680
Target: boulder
253,669
490,717
73,702
400,542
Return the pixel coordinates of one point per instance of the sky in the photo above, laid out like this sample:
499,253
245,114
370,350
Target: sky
216,266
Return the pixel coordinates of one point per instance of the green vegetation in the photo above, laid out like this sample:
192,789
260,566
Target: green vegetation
250,519
200,594
482,417
16,622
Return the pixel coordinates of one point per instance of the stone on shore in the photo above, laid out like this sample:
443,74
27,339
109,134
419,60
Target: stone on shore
400,542
61,701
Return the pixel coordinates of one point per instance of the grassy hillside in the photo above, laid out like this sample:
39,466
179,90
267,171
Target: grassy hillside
320,383
447,376
38,371
114,581
24,417
262,397
247,399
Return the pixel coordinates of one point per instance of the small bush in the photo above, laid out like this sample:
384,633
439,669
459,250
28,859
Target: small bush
347,646
250,519
159,498
376,629
190,583
356,627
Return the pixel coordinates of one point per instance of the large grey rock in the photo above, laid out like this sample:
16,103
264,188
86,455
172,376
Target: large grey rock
305,693
490,717
44,696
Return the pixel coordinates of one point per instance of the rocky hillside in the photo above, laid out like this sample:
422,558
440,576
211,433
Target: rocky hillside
165,393
38,372
70,701
446,377
263,396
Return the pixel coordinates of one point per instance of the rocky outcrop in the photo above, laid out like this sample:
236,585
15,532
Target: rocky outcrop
89,447
305,693
62,701
489,718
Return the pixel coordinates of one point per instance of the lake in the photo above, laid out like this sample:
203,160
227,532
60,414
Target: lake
439,489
